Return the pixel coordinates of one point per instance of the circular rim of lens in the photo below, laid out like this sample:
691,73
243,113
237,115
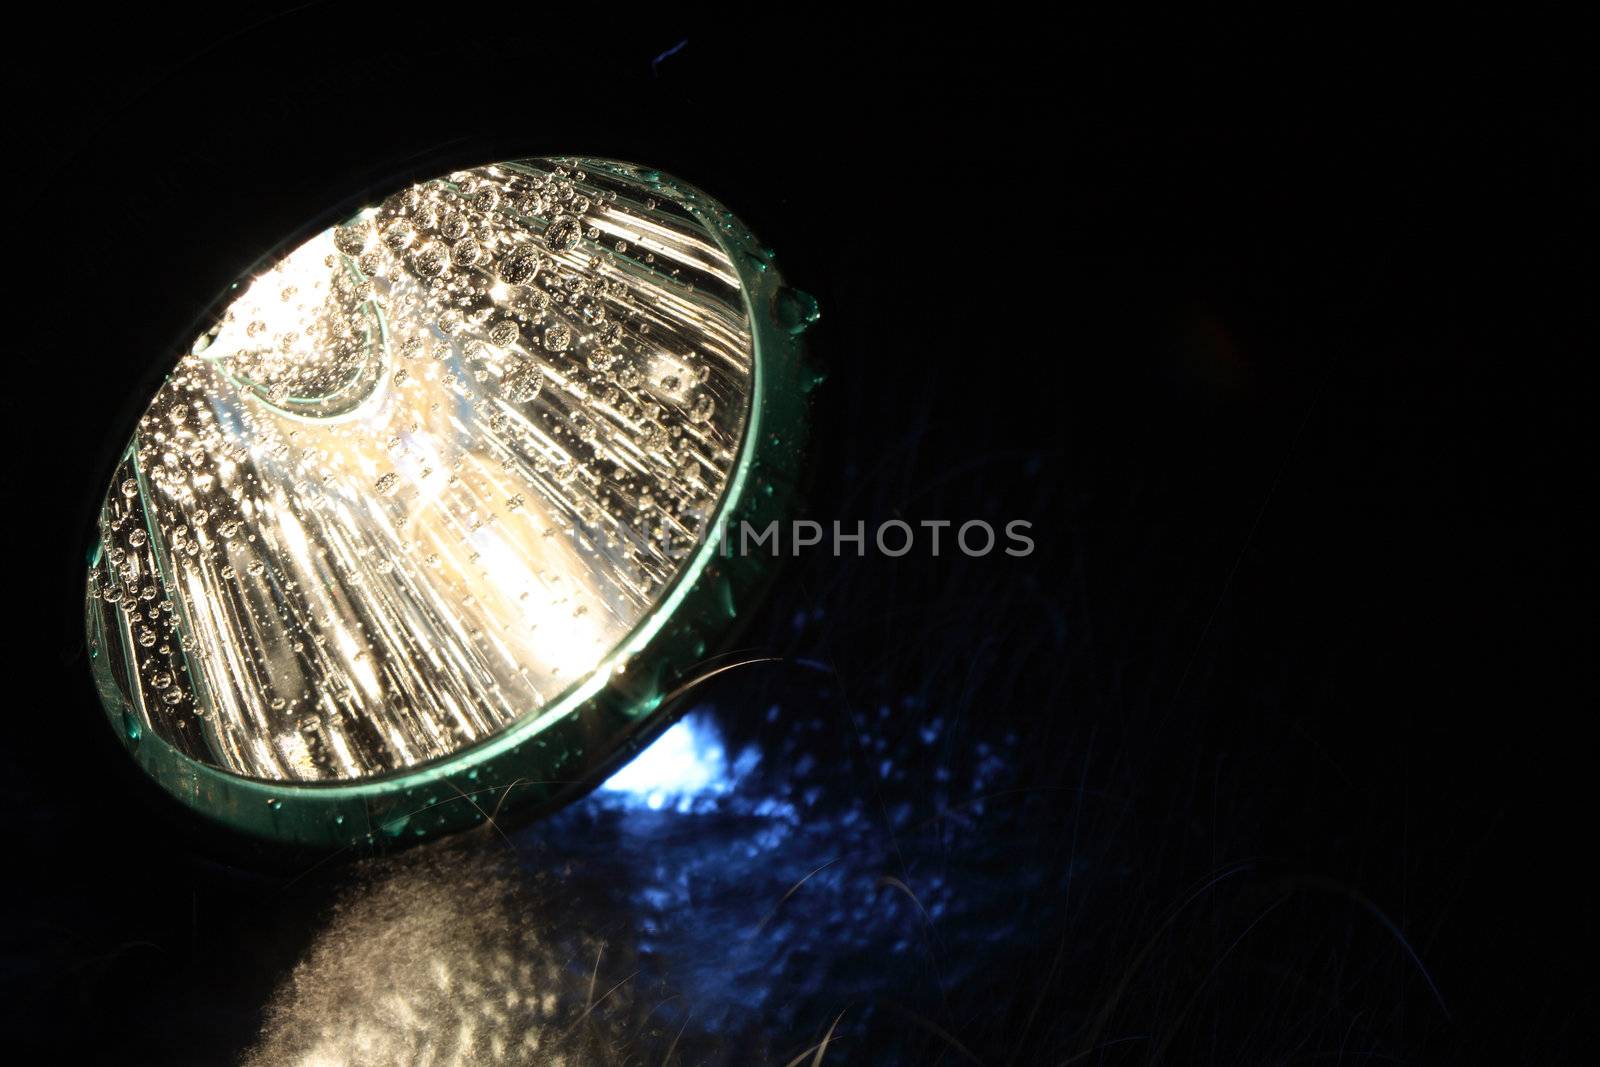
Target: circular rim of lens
562,747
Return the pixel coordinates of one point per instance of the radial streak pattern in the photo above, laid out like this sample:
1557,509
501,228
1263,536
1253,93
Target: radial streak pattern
423,473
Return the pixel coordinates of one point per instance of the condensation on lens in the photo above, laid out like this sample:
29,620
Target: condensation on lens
423,474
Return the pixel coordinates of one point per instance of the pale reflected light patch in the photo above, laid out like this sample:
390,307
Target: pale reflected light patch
450,958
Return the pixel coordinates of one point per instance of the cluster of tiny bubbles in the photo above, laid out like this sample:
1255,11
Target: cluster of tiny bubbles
424,473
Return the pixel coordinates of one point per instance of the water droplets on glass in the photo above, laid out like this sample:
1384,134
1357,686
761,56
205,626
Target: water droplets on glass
390,502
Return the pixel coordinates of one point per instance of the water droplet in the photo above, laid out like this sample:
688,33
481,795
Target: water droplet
504,333
431,259
796,310
400,235
523,383
467,252
520,266
352,240
562,234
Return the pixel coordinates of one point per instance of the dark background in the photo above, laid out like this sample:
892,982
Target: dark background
1275,751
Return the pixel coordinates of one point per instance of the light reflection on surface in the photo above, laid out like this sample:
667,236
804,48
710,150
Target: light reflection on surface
686,763
720,900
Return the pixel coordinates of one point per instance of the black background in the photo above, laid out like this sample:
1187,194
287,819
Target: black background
1277,338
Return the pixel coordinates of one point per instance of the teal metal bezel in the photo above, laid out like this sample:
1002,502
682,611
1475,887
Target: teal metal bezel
564,748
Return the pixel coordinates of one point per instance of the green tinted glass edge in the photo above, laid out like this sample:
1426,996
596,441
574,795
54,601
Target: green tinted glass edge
564,747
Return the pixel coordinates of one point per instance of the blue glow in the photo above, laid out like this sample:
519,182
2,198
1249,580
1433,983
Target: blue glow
688,761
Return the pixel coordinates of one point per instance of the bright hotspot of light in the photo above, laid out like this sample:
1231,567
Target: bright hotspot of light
687,761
